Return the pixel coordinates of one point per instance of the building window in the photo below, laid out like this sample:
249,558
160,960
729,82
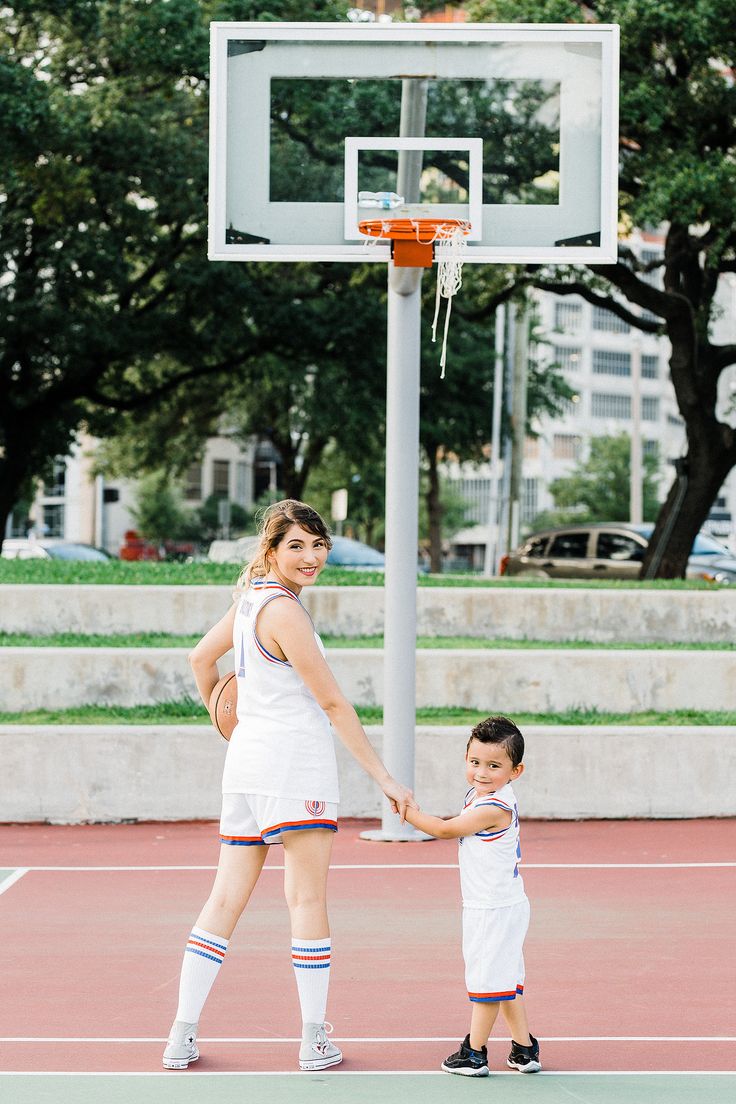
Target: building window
651,448
53,520
242,471
529,500
569,358
55,487
650,409
650,367
475,493
193,482
221,478
610,406
568,315
571,408
606,362
531,448
605,321
674,420
566,446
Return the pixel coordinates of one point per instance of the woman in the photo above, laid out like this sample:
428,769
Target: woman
280,778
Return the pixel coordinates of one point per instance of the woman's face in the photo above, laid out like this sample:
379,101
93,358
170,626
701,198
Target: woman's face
298,559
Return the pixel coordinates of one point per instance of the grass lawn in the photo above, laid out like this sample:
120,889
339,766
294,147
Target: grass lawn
166,640
119,572
187,712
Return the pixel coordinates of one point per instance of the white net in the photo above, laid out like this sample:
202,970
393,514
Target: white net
450,258
450,239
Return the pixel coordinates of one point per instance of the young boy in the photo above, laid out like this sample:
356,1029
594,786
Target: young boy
495,907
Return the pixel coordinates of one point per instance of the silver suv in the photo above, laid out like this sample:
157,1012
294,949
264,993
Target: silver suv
609,551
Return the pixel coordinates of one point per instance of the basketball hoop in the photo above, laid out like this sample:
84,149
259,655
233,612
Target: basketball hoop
414,240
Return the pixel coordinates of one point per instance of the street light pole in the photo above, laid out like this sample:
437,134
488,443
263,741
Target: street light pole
635,488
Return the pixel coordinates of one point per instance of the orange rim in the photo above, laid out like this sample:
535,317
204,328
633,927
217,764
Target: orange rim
425,230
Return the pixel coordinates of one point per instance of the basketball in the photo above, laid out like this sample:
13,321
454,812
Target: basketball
223,700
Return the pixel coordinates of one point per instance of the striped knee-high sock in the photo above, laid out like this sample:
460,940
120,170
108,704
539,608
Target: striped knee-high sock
311,961
203,957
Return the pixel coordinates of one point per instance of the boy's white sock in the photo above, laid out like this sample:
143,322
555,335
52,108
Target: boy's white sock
202,960
311,961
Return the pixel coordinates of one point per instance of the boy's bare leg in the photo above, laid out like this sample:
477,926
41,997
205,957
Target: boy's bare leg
514,1012
481,1022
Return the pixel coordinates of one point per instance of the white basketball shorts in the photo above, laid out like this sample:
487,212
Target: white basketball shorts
254,819
492,948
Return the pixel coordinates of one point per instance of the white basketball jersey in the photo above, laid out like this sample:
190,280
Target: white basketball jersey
489,861
282,745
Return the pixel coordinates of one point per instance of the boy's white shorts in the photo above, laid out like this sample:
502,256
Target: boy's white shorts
255,819
492,948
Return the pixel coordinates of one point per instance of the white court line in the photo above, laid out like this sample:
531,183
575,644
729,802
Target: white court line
368,1073
260,1040
13,878
417,866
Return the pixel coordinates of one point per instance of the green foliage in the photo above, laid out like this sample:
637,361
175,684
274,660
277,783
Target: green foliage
206,525
598,489
158,512
365,479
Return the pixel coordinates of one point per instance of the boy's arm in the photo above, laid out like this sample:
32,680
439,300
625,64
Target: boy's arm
482,819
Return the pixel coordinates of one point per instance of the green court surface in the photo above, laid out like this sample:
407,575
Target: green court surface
346,1088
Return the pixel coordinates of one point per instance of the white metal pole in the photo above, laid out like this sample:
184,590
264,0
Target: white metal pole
403,356
490,564
635,489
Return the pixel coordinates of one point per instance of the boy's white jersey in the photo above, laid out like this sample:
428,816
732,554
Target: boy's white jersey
282,744
489,861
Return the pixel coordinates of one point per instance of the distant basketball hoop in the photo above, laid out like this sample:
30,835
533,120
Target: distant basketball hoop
413,246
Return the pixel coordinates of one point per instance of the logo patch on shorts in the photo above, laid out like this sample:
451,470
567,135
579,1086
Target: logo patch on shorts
316,808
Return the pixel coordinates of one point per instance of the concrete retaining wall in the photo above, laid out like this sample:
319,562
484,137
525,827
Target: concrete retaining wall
86,773
529,680
598,615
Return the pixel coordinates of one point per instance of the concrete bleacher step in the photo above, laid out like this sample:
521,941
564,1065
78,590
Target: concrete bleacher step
533,680
589,613
76,773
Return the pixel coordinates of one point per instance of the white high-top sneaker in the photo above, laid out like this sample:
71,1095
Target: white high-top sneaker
317,1051
181,1048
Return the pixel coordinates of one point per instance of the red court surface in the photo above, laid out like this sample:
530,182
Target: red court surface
629,963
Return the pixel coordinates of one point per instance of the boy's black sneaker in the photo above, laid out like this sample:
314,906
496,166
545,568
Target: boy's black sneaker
468,1062
525,1058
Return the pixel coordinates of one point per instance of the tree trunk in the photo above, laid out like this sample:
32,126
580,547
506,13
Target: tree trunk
434,515
686,509
15,471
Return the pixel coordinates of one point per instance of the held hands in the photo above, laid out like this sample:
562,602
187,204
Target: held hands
400,798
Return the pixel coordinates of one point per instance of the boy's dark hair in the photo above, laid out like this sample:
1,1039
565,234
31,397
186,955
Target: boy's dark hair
500,730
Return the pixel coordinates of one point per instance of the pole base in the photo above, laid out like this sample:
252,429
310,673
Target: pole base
398,835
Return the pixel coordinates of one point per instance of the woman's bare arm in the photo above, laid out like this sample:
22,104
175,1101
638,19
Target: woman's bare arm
204,656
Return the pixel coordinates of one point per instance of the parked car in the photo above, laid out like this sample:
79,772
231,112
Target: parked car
609,551
346,552
30,548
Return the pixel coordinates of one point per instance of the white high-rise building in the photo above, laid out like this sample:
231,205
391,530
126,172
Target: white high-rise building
594,349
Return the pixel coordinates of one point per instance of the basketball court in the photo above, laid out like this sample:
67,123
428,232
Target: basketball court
629,984
502,142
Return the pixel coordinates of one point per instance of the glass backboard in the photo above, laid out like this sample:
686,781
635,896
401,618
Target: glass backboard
517,132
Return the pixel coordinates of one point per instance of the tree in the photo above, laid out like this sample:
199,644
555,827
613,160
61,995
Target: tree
598,488
677,171
158,512
108,304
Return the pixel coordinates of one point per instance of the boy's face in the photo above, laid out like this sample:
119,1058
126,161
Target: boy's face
488,767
